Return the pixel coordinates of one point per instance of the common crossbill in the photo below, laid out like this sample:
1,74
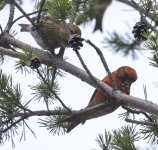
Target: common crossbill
50,33
123,78
99,10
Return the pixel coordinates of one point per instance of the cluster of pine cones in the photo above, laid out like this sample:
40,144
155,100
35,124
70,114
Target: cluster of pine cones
141,29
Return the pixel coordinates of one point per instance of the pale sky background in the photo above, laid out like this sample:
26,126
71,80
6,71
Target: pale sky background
76,93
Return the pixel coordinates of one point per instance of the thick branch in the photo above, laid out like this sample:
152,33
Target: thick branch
10,53
124,99
58,112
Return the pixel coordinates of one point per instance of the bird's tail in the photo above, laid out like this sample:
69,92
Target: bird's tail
24,27
73,121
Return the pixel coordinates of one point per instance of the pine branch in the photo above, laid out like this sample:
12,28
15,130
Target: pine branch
124,138
40,10
12,125
56,96
29,14
122,98
24,13
104,141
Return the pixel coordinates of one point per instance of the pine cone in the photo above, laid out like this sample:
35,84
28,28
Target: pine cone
141,27
35,63
75,42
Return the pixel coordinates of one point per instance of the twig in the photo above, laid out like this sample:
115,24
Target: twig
104,63
40,10
137,7
37,113
136,111
29,14
58,112
24,13
13,124
56,96
10,19
88,71
141,122
24,108
24,123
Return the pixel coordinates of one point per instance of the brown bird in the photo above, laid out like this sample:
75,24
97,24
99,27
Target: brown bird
50,33
123,78
99,10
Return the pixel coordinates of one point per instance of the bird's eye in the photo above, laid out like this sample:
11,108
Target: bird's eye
71,32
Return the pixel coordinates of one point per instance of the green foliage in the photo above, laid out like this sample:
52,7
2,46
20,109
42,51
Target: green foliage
121,139
10,95
125,45
124,138
86,12
23,67
23,63
152,44
104,141
60,9
151,132
150,6
2,4
47,85
54,123
154,60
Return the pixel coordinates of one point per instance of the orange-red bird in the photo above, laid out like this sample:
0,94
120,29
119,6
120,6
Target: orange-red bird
123,78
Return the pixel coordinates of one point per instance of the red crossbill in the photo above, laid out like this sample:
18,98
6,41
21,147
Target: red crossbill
123,78
50,33
99,10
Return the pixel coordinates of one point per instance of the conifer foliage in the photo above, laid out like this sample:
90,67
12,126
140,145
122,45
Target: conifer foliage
49,67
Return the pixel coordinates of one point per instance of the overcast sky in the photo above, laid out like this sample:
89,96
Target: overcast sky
76,93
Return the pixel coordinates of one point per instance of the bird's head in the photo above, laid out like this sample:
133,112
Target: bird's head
74,29
126,73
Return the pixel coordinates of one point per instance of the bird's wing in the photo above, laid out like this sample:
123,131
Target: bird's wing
107,81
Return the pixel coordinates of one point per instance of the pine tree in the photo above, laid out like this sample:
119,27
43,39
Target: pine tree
49,67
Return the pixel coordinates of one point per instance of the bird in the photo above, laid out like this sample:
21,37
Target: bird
51,33
99,10
123,77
